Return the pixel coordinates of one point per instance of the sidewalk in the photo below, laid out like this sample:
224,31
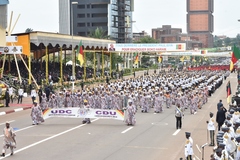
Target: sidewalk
14,107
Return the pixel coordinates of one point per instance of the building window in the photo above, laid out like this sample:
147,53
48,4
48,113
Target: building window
81,15
81,33
81,6
88,6
99,6
94,15
99,24
81,24
88,15
88,24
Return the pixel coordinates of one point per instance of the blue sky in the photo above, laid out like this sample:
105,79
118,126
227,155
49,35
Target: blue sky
42,15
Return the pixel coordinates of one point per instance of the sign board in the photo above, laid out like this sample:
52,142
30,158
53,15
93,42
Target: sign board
11,38
147,47
11,50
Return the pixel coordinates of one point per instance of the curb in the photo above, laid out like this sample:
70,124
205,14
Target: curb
14,110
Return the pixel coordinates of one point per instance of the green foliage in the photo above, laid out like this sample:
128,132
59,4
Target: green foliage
145,60
28,30
99,33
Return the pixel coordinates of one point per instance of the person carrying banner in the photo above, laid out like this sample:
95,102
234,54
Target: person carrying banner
9,139
86,106
36,114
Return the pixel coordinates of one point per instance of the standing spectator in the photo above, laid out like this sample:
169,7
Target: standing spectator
9,139
20,95
179,114
47,91
11,93
7,97
40,93
33,95
219,105
221,116
211,129
82,84
107,80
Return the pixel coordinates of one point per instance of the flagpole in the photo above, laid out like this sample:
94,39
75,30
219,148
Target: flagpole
110,64
61,67
46,61
85,73
94,63
102,64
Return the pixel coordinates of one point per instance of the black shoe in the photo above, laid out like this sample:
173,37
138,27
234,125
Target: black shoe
88,122
11,154
3,154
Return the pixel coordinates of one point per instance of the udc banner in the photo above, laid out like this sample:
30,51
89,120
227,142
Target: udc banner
83,113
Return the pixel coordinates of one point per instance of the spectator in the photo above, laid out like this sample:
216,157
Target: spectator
219,105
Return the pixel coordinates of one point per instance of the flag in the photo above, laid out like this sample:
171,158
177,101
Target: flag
235,57
182,59
136,58
80,54
203,51
193,59
160,59
229,92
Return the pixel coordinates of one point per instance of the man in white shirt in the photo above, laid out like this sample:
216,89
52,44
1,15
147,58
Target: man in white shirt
211,128
10,90
188,146
20,95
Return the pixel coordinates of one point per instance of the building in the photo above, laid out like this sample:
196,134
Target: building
3,22
200,21
167,34
113,16
139,35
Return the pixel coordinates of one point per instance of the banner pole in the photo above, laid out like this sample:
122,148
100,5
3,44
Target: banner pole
61,66
46,60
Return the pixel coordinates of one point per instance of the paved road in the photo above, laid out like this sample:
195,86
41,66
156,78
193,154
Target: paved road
152,138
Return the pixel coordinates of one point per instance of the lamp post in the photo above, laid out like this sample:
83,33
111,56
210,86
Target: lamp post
73,53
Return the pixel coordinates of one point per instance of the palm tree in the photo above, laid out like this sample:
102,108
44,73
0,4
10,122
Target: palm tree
98,33
28,30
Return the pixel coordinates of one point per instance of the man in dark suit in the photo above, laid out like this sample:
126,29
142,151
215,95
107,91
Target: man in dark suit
111,47
7,98
221,116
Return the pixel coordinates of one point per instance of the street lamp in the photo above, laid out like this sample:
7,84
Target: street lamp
73,57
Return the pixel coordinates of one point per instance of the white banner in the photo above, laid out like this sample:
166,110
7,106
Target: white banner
146,47
83,113
11,38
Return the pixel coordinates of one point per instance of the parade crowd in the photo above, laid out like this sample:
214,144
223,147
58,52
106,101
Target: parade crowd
182,91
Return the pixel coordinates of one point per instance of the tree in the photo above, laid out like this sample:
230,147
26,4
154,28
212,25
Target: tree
147,39
28,30
98,33
145,60
227,41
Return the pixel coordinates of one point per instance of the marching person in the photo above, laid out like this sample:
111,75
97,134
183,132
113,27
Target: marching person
9,139
211,129
36,114
130,111
179,114
188,146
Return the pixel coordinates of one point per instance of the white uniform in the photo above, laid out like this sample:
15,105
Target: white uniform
188,147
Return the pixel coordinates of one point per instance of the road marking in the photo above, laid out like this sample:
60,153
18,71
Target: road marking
127,130
2,113
20,130
176,132
8,121
18,109
49,138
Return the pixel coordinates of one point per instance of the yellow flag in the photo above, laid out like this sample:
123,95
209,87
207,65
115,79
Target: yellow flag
182,59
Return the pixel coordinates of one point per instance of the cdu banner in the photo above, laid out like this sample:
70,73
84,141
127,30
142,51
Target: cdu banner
83,113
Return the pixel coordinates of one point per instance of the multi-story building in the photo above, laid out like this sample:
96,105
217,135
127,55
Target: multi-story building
113,16
138,35
200,21
167,34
